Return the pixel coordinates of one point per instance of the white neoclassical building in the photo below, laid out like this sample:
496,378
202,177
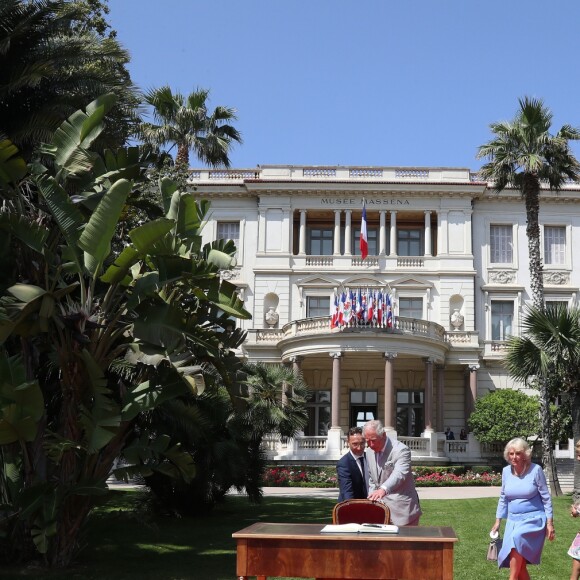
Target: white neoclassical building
452,256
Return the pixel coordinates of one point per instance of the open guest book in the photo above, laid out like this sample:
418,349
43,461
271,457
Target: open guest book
360,529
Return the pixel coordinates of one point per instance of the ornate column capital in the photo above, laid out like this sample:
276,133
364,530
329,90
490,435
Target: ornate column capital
336,354
390,355
473,368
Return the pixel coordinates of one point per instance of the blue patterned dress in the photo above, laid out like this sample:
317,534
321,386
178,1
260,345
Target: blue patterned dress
526,503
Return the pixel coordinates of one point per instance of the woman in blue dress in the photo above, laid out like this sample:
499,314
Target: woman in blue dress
525,501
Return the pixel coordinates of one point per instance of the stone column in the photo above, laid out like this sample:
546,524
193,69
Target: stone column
389,409
262,230
429,395
440,398
296,364
302,235
468,244
335,393
428,233
442,232
382,233
347,232
471,391
393,251
336,232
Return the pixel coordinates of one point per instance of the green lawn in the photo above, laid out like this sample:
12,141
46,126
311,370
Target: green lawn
124,544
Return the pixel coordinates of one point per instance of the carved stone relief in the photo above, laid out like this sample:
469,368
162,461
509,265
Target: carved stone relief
556,278
502,276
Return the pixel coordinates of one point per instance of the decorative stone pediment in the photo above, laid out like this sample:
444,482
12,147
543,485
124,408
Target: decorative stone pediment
363,281
501,276
557,278
318,281
411,282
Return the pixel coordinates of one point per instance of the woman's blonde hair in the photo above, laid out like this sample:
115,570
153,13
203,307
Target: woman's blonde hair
518,444
577,446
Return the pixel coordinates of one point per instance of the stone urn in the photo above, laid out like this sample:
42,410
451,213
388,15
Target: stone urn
457,319
271,317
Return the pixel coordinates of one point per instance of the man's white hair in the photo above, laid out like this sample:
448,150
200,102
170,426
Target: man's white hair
376,426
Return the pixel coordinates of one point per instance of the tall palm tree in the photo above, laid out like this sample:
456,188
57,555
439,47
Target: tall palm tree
50,67
524,155
550,347
187,124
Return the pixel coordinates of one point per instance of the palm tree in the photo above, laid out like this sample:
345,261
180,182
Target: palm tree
524,154
550,347
51,66
187,124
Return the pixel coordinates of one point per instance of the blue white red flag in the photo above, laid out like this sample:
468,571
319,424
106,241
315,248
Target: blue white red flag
389,312
364,243
334,312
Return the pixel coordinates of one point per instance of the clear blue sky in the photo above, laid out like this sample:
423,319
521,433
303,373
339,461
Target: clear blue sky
359,82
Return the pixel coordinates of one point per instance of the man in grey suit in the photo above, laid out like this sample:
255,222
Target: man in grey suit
390,475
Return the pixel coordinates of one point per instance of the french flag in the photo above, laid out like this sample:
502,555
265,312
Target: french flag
364,244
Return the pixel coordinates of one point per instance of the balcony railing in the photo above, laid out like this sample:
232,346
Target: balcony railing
403,325
333,173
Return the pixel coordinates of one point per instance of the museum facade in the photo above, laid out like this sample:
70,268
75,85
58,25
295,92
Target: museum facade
449,253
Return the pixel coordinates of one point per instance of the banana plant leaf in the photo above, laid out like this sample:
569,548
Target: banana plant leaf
12,166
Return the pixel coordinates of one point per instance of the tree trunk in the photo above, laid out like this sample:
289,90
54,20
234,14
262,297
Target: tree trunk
547,446
531,194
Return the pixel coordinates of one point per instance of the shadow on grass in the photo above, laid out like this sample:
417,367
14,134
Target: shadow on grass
123,544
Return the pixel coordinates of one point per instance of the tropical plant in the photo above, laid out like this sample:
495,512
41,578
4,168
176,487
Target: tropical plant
524,155
188,124
550,347
91,339
227,435
504,414
53,61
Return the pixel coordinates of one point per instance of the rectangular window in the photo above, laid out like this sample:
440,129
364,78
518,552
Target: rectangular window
372,239
554,245
318,408
363,407
320,241
229,231
410,242
501,244
411,307
317,306
502,315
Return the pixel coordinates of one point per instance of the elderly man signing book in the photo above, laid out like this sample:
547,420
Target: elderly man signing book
391,479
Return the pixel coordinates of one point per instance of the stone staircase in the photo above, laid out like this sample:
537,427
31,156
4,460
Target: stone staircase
565,469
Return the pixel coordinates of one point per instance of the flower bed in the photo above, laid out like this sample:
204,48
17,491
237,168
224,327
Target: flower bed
308,476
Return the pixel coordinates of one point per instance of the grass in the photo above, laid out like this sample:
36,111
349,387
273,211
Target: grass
124,544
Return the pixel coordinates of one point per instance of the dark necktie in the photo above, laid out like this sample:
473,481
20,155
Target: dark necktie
361,460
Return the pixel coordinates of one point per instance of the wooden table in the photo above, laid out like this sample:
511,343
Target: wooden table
300,550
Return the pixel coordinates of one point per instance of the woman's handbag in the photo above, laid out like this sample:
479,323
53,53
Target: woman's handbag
493,548
574,549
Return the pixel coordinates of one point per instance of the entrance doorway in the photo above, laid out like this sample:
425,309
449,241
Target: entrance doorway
410,413
363,407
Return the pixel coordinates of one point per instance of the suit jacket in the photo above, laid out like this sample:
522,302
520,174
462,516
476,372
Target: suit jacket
350,480
395,475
